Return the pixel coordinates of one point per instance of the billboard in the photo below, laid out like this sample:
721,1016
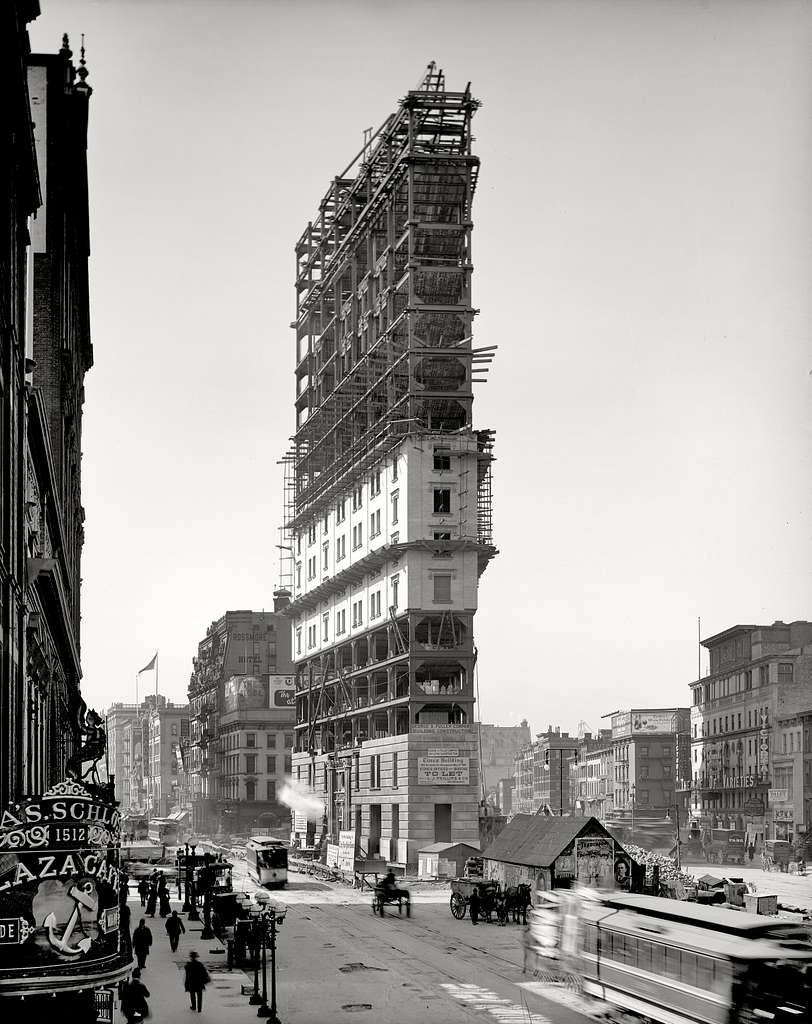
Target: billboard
283,692
649,722
59,891
595,861
443,769
249,692
346,850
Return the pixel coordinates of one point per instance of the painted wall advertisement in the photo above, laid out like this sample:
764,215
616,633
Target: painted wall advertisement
443,766
59,881
595,862
283,692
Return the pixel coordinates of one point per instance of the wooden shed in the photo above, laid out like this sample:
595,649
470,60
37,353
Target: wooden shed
444,860
554,852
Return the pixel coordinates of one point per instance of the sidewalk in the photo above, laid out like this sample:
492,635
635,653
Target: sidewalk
163,975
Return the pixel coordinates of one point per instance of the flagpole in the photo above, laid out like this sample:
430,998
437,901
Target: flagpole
137,674
156,680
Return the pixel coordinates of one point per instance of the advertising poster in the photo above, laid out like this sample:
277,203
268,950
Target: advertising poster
59,882
346,850
595,862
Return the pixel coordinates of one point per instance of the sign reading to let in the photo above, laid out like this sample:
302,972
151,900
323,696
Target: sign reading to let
444,769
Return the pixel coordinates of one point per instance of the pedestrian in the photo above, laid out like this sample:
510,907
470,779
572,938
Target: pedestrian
142,940
197,977
152,899
134,997
143,891
163,897
751,852
473,904
174,929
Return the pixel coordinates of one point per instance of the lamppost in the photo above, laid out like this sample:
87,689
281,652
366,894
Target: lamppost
186,905
271,918
193,913
255,913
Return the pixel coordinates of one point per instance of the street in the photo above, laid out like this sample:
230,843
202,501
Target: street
791,890
335,957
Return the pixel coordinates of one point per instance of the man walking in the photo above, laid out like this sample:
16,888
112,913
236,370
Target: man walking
197,977
142,940
473,905
143,891
174,928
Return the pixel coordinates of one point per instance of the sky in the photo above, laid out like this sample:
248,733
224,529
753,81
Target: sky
642,251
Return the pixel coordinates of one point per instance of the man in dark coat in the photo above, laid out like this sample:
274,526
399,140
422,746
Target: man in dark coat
473,905
134,997
142,940
174,928
143,891
197,977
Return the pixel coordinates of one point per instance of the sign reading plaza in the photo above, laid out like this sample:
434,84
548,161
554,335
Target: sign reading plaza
59,892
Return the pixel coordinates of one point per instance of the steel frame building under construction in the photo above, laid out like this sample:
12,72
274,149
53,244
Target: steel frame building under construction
388,522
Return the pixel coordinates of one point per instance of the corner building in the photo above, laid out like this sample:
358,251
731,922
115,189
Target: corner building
388,489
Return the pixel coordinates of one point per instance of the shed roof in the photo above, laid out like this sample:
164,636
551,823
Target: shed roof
535,840
444,847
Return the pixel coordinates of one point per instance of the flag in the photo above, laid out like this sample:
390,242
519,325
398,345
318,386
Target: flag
149,667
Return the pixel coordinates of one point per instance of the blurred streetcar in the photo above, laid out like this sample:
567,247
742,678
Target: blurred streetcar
678,963
267,861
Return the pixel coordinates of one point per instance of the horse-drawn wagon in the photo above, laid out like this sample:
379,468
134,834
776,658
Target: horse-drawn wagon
493,900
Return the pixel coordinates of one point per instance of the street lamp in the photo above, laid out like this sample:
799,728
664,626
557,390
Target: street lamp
193,913
271,919
186,905
255,913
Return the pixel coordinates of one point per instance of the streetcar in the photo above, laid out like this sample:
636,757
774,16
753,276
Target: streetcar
267,861
677,963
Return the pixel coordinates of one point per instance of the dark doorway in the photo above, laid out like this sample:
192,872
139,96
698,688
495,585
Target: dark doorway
442,823
374,829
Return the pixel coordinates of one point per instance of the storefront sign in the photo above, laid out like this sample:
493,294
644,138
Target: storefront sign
299,821
784,814
777,796
754,807
332,855
443,770
59,891
346,850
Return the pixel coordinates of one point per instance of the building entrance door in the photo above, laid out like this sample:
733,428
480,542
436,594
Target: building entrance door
442,823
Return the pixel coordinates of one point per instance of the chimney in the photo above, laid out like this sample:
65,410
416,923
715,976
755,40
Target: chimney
558,730
281,599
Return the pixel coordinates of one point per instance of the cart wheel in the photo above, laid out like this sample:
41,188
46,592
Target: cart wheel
458,905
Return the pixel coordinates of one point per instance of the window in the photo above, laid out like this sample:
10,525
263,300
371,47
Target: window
311,567
395,770
375,523
357,498
299,640
357,613
784,673
643,771
442,589
442,459
325,555
395,499
311,636
311,533
271,789
250,790
375,605
395,468
298,575
395,585
270,741
174,728
375,771
341,548
442,535
270,764
250,739
357,536
250,763
298,543
396,537
375,483
442,501
325,626
288,763
666,771
666,751
763,675
644,751
341,621
341,510
325,523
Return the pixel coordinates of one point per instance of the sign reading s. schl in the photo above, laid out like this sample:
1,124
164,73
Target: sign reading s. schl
59,891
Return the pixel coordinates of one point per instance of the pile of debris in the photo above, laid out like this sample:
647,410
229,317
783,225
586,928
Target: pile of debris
667,866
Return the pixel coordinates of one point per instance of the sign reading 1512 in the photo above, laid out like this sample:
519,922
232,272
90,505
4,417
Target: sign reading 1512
69,834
